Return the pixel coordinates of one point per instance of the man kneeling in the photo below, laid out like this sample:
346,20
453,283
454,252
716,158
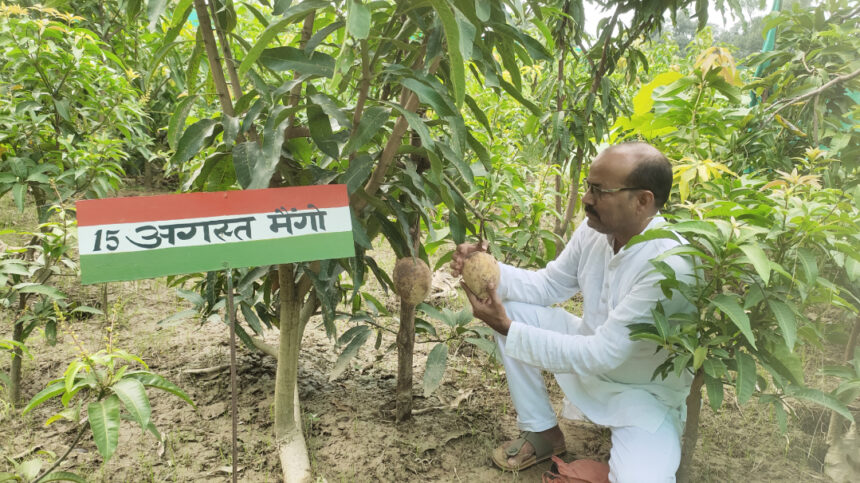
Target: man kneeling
600,370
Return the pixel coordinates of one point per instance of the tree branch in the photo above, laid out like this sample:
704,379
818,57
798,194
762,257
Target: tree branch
795,100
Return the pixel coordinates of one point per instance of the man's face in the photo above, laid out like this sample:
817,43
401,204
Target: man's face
614,213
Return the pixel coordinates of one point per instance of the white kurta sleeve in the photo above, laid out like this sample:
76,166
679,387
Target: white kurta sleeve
606,349
553,284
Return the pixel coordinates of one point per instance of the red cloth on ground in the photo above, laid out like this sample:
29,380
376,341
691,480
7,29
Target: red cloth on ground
578,471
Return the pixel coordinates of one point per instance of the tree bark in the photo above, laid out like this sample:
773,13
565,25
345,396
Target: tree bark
15,370
288,432
214,61
405,349
834,429
691,428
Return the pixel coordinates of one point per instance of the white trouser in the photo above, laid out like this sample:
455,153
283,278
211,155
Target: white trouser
636,455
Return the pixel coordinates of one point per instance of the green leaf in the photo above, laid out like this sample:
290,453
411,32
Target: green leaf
821,398
759,260
417,124
193,139
786,363
428,95
699,357
358,20
281,59
372,120
809,264
292,14
714,387
349,352
786,319
177,120
357,172
30,469
482,9
104,422
149,379
436,362
320,128
746,376
19,191
729,305
53,390
31,287
516,94
154,9
63,476
485,345
330,108
695,226
455,58
133,396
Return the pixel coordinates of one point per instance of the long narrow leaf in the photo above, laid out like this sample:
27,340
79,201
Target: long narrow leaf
729,305
104,422
746,376
452,35
436,362
133,396
154,380
53,390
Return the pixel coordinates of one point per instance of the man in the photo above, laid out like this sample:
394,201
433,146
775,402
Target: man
601,371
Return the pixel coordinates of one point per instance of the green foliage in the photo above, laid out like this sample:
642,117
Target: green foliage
106,383
69,109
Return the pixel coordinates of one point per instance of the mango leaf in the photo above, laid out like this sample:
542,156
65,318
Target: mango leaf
350,351
482,9
746,376
292,14
357,172
436,362
133,396
321,35
821,398
320,128
786,319
485,345
19,191
729,305
417,124
154,9
428,95
281,59
31,287
63,476
699,357
330,108
177,120
104,422
455,58
149,379
193,139
809,264
759,260
358,20
516,94
372,120
786,363
714,388
53,390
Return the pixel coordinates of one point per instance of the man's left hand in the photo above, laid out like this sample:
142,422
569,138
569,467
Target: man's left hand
490,310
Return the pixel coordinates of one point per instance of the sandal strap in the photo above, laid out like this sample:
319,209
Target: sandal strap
542,447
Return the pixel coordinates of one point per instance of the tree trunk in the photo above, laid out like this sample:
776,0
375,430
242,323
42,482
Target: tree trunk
834,430
691,428
405,349
15,370
573,197
288,430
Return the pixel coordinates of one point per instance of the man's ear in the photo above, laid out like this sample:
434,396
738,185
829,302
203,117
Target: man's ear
645,198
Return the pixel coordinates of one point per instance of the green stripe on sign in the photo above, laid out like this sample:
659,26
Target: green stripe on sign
112,267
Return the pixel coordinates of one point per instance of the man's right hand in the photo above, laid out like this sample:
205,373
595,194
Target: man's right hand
462,252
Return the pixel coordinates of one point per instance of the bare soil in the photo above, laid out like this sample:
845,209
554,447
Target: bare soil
348,422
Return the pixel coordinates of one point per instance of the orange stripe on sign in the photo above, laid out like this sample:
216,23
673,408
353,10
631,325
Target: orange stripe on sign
200,205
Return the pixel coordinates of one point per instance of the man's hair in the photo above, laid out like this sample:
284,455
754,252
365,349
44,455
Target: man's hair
652,170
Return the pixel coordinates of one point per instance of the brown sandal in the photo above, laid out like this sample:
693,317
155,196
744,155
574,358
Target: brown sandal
543,451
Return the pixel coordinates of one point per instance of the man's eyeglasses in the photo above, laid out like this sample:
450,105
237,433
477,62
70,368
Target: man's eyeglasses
599,192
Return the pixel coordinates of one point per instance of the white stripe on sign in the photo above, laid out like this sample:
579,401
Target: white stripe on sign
189,232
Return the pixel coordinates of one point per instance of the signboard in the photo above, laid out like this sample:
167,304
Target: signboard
153,236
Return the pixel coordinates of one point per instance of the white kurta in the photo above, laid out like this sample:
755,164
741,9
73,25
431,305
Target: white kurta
601,371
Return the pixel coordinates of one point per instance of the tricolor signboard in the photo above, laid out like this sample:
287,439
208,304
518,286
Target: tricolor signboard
153,236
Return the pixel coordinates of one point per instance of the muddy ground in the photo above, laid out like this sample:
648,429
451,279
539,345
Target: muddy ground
348,421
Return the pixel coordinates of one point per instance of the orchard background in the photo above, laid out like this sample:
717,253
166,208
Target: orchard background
447,120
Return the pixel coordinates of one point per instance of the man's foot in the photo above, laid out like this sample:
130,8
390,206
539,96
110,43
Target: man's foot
520,454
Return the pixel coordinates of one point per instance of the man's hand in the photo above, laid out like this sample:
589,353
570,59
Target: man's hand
462,252
490,310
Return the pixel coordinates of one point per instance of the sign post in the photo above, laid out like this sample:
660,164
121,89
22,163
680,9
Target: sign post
153,236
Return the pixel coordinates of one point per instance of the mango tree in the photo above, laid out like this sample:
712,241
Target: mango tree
69,114
773,246
326,92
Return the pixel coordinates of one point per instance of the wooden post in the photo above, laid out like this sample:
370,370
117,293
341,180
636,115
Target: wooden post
231,317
